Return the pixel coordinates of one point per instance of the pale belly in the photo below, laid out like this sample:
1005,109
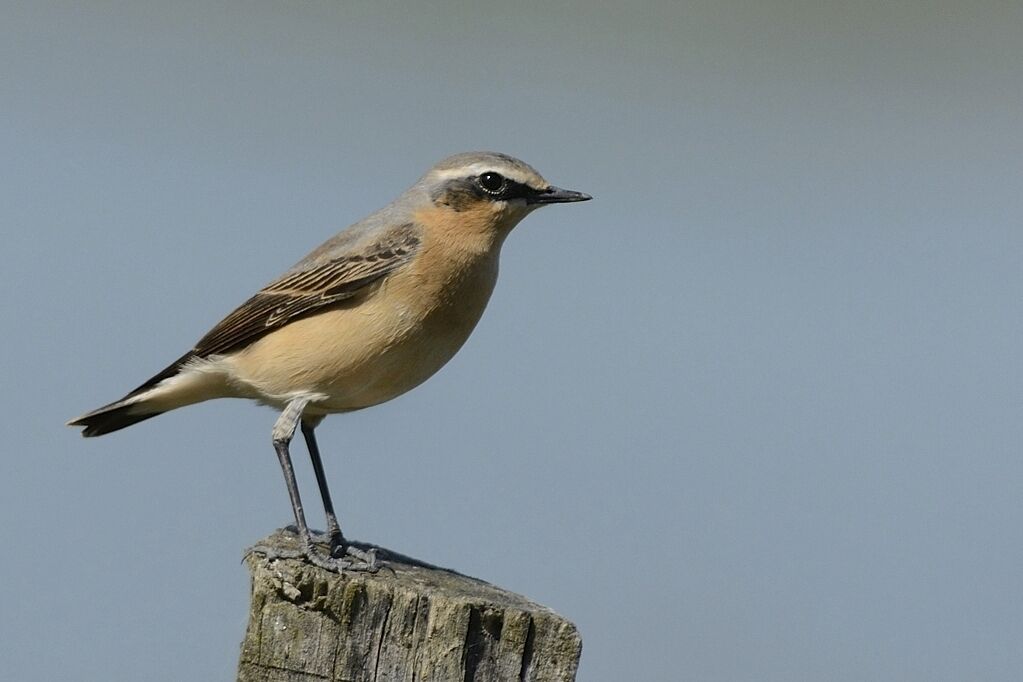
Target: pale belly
350,358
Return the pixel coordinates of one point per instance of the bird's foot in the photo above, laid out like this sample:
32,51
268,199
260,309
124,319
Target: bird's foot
341,557
342,550
358,560
332,538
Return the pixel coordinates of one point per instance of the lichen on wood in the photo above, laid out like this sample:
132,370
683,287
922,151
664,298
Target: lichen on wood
409,621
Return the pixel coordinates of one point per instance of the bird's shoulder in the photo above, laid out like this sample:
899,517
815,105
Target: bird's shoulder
358,250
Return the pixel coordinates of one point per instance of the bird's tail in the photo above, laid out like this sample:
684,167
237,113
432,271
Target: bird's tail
132,408
112,417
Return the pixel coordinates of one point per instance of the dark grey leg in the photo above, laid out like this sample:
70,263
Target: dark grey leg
337,540
353,558
341,557
283,432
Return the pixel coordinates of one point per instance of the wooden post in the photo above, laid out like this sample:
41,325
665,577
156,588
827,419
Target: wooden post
409,621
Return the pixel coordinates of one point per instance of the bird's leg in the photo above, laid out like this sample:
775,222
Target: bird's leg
339,547
333,528
283,432
345,557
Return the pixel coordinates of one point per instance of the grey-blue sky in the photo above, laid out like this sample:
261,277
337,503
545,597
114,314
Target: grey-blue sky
751,414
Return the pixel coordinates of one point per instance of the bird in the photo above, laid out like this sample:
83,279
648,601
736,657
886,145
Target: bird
366,316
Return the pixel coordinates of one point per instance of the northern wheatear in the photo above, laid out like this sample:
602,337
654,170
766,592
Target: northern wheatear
368,315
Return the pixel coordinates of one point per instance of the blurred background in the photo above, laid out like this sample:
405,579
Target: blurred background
751,414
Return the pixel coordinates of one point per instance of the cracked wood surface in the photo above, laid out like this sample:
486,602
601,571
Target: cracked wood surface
410,621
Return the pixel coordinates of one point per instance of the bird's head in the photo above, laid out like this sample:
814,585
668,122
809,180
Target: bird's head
490,191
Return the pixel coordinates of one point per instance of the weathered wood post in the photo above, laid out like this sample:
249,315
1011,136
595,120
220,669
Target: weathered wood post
409,621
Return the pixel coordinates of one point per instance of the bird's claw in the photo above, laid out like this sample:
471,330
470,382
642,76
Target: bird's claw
342,557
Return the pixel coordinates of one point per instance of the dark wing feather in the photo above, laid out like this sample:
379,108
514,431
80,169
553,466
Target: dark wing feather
269,310
297,294
300,293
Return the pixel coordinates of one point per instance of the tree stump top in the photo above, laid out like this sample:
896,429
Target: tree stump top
409,621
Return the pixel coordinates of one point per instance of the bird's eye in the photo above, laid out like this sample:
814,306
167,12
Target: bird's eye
491,182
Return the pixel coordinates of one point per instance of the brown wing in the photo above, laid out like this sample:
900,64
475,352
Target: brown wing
297,294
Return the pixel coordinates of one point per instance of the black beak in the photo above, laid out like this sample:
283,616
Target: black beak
556,195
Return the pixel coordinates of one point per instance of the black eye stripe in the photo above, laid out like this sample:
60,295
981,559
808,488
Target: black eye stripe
459,194
517,190
503,190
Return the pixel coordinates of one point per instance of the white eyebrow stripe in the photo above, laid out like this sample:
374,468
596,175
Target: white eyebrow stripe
477,168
